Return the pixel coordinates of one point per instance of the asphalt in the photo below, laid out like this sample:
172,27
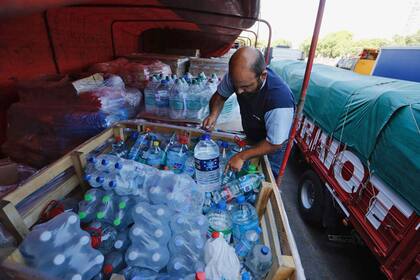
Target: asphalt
321,258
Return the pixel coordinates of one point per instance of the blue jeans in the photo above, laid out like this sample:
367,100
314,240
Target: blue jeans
276,159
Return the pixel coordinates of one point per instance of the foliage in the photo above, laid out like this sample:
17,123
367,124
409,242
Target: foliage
342,43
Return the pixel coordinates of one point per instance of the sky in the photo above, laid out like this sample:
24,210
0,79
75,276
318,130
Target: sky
294,20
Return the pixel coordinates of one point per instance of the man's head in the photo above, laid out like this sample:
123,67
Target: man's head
247,71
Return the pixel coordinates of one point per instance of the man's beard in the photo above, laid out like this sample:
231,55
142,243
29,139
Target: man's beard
253,94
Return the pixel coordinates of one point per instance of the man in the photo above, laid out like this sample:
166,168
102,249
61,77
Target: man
266,105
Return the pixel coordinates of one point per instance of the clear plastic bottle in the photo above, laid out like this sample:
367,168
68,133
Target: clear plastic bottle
242,185
220,221
193,101
162,98
141,142
122,242
114,263
259,261
208,203
207,170
106,162
244,218
247,242
119,148
223,156
105,210
189,167
107,233
87,207
150,258
149,95
95,179
155,155
177,155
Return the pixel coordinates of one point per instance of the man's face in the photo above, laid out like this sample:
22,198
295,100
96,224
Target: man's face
246,83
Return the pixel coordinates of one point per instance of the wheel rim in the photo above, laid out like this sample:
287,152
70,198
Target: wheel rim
307,196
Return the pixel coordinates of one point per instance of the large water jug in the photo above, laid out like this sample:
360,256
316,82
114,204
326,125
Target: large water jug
207,170
162,98
259,261
244,218
149,95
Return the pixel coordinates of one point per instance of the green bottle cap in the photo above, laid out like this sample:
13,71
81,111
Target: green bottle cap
122,205
88,197
252,167
117,222
100,215
106,198
82,214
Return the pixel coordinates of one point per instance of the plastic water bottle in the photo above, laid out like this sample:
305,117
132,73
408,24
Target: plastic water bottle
242,185
177,100
87,207
162,98
122,242
154,259
181,223
95,179
177,156
208,203
105,209
142,140
149,95
189,167
105,234
259,261
228,177
223,156
119,148
179,266
244,218
248,240
137,273
114,263
220,221
155,155
122,217
145,213
105,162
187,244
193,101
207,171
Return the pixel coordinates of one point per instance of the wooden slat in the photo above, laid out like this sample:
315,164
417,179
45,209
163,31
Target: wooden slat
32,216
264,234
78,164
279,220
286,269
273,230
12,221
263,198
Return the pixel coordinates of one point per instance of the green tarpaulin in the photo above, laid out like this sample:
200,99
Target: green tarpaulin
378,118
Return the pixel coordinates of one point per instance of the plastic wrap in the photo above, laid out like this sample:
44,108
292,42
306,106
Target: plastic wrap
52,117
134,74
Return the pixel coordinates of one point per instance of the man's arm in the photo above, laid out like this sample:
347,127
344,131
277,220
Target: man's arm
224,90
262,148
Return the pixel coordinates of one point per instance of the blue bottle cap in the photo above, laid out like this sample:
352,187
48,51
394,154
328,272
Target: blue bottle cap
208,195
112,184
205,136
245,276
258,230
100,179
225,145
88,177
265,250
240,199
118,165
221,205
104,162
91,159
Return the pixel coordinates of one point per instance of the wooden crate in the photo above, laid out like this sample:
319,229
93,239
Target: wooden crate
276,231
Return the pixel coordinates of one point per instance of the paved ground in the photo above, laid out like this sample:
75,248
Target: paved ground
322,259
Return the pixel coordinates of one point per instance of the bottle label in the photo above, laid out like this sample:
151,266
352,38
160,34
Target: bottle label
149,99
238,230
207,164
176,104
194,105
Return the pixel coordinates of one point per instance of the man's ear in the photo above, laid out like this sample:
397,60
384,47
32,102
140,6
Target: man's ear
263,75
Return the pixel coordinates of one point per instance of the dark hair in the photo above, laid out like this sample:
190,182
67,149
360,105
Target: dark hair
258,66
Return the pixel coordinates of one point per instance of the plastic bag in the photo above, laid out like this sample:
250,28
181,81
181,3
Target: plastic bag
221,260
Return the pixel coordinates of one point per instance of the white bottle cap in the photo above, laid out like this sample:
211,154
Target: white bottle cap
132,256
59,259
160,212
99,259
118,244
45,236
77,277
158,233
84,240
139,209
137,231
72,219
156,257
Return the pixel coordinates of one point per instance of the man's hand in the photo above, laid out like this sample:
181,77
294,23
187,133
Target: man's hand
235,163
209,123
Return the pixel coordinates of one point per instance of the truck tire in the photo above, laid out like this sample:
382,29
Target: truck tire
311,198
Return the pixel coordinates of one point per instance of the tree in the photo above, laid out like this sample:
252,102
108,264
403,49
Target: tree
281,42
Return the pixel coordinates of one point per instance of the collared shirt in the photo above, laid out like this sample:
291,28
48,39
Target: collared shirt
272,109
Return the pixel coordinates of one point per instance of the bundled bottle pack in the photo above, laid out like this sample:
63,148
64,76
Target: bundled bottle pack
157,209
53,116
185,98
134,73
